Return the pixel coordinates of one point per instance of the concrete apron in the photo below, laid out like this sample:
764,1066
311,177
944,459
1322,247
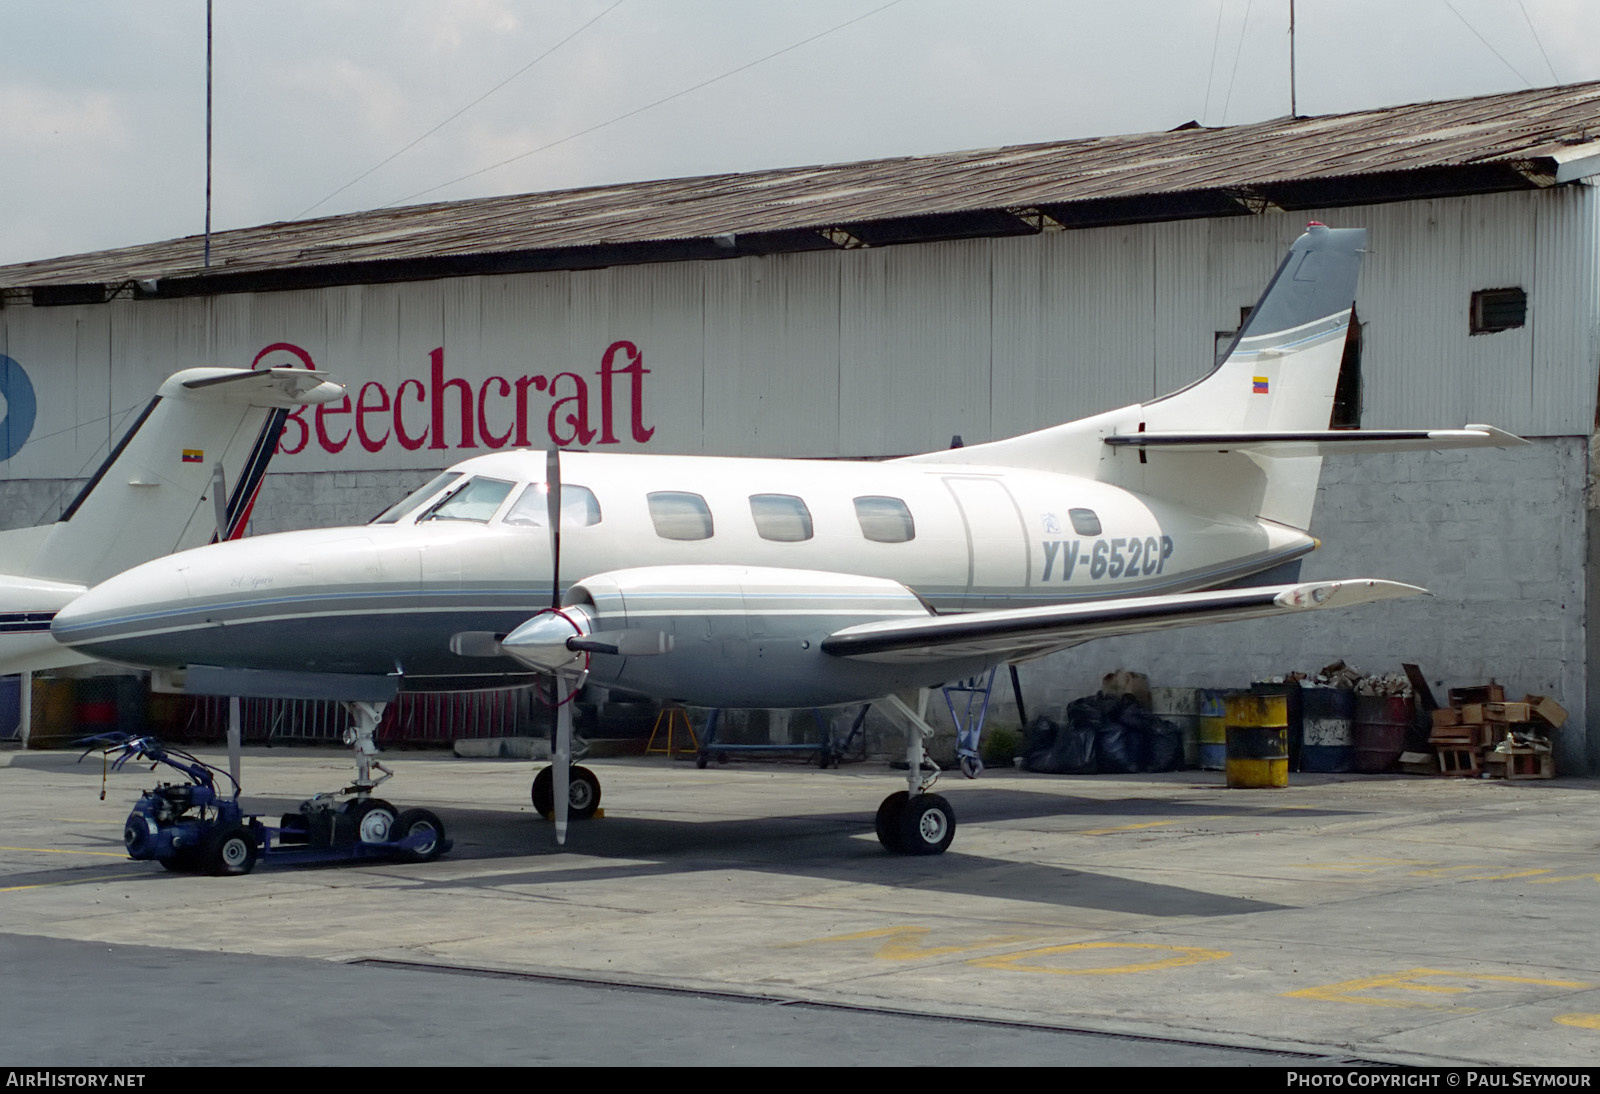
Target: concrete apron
1391,918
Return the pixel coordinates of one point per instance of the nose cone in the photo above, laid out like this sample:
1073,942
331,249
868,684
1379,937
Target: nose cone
109,618
541,642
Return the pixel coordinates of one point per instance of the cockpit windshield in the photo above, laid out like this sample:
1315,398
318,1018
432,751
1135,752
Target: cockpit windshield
579,507
477,500
415,498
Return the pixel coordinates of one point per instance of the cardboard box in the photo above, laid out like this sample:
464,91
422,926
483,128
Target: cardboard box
1478,713
1482,693
1546,710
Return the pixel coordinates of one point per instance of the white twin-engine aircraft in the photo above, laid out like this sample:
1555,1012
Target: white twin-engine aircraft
791,583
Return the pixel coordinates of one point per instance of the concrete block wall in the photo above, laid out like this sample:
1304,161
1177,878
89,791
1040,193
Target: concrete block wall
329,499
27,502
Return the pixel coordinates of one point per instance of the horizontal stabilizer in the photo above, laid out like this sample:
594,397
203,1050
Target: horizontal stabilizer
272,387
1324,442
1016,633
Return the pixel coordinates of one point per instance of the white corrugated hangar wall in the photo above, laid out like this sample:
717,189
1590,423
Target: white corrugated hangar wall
885,351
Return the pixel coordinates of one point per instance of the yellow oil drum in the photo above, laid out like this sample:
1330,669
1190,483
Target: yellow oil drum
1258,740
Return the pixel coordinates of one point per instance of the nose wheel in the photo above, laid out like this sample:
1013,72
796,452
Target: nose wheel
583,793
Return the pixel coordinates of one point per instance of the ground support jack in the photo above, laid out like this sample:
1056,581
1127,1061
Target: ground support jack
913,821
969,729
193,827
828,752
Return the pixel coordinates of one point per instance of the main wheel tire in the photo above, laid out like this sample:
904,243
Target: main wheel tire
544,794
583,793
228,852
927,825
374,819
417,822
887,822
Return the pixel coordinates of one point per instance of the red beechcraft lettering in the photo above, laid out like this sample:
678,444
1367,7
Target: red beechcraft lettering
496,415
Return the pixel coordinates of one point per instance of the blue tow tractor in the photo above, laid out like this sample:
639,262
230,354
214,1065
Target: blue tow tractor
193,827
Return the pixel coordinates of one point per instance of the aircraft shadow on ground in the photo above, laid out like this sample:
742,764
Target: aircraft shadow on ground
832,848
827,847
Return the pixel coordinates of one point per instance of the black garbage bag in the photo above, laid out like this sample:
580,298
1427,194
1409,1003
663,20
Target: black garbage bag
1056,749
1040,741
1121,738
1166,746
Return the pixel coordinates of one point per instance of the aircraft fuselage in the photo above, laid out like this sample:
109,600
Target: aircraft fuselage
384,598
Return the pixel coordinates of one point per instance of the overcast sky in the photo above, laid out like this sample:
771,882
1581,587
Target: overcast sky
102,102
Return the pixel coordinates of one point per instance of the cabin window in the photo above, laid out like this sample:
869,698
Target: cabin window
416,498
885,520
781,517
678,515
1498,309
1084,522
477,501
579,507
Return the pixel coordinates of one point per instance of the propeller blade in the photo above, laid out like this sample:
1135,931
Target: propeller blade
628,643
561,763
552,486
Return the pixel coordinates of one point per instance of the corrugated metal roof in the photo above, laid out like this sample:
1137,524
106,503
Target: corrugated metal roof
1511,141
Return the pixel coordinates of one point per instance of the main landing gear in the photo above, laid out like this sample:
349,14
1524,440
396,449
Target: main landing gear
913,821
583,793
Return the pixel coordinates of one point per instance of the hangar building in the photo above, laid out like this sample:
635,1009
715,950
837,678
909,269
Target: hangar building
881,308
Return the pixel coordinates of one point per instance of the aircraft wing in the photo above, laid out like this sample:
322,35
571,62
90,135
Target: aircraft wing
1324,442
1017,633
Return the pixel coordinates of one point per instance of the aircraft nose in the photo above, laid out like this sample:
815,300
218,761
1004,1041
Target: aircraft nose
107,617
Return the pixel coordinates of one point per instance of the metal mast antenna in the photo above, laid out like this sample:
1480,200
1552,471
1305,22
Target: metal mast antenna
1293,110
208,133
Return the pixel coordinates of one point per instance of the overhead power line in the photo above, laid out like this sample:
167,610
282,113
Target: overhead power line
396,155
1487,44
648,106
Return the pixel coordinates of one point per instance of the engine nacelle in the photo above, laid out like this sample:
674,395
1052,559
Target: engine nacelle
746,635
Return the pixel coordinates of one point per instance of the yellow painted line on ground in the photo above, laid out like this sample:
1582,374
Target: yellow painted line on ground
903,943
1568,877
70,881
1126,828
1026,960
1582,1021
66,851
1362,865
1345,991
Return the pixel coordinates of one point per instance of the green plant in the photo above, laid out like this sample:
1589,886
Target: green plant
1001,744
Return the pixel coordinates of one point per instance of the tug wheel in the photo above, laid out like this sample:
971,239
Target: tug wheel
426,827
229,852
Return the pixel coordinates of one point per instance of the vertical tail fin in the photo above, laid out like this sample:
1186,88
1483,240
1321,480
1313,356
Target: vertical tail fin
1282,369
1279,375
